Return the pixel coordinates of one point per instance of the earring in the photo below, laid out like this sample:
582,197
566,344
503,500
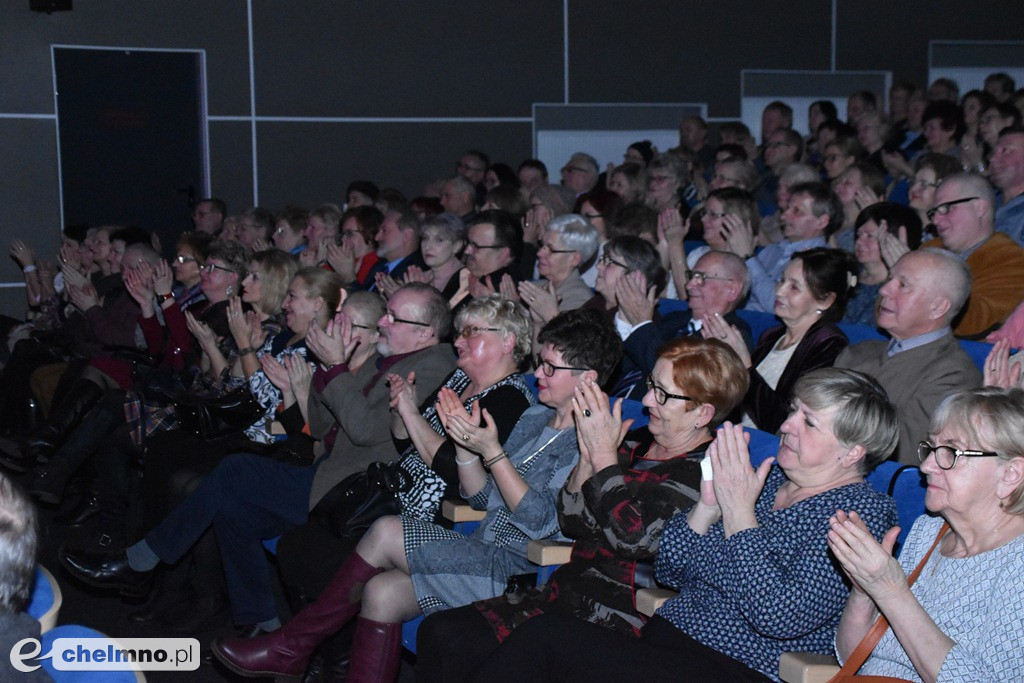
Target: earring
228,291
818,311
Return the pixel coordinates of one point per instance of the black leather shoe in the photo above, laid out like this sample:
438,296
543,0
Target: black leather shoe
87,508
44,486
106,570
14,459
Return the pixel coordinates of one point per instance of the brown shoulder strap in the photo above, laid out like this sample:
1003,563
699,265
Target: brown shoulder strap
864,647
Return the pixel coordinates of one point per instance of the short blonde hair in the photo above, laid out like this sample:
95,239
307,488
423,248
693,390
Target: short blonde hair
508,316
990,418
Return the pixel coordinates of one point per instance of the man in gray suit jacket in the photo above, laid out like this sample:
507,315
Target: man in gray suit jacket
922,363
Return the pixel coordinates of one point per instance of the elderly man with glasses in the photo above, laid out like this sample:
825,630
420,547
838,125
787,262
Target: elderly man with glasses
716,287
964,217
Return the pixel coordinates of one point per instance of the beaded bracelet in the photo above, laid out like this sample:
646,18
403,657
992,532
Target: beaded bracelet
489,463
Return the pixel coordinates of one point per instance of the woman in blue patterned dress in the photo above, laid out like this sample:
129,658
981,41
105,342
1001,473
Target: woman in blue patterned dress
754,578
409,566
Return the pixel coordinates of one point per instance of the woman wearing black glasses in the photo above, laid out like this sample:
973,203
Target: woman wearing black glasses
960,620
404,566
750,559
614,506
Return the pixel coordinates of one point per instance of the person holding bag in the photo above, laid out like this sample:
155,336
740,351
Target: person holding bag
960,620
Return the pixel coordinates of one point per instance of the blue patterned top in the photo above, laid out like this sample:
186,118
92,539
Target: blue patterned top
770,589
860,309
975,600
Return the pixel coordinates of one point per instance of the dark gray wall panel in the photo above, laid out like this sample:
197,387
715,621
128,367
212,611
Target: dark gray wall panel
231,163
881,34
394,58
311,163
28,190
26,83
691,50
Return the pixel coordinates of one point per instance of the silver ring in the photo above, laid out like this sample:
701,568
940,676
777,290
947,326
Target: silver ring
722,336
465,437
586,412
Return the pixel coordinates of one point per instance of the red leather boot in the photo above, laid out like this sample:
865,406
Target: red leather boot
286,652
376,647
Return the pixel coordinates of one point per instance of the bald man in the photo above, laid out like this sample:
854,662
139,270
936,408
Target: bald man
923,362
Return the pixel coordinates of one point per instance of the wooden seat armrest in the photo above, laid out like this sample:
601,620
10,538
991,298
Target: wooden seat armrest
648,600
460,512
548,553
807,667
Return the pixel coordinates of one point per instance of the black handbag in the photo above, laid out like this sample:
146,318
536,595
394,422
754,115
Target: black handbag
210,418
358,500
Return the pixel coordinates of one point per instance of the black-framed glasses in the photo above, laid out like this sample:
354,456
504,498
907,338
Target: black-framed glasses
943,208
184,259
945,456
392,318
549,368
662,396
371,328
592,216
552,250
699,277
607,260
210,267
471,243
472,330
921,182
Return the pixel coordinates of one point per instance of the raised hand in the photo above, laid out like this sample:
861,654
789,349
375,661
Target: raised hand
999,371
403,393
276,372
416,274
542,301
508,289
635,298
739,235
470,435
163,278
386,284
892,247
22,253
598,429
737,485
201,331
341,258
715,327
869,564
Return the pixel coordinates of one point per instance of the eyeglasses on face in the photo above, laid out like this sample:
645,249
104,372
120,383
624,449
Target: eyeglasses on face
473,244
392,318
662,396
946,456
184,259
921,182
699,277
210,267
945,207
372,328
552,250
472,330
607,260
575,169
549,368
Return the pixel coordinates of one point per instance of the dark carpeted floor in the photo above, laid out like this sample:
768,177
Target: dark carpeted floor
108,613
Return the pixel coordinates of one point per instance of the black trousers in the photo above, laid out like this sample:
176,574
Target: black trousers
450,645
554,647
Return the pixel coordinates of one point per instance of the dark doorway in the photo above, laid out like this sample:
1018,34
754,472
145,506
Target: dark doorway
132,142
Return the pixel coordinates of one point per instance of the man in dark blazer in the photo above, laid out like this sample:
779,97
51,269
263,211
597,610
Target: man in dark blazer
716,286
923,362
398,246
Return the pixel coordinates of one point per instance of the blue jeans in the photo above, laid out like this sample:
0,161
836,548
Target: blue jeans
246,499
